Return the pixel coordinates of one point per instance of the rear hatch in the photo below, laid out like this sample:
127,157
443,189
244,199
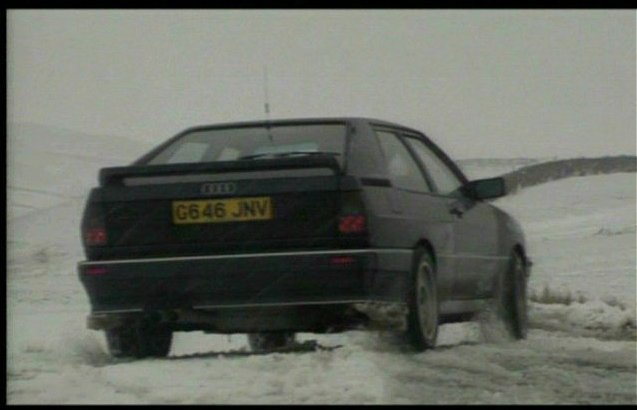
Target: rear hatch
162,211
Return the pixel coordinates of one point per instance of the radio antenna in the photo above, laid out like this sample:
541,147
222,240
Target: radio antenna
266,104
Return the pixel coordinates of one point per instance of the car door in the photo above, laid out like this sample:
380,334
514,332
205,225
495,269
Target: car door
475,228
423,215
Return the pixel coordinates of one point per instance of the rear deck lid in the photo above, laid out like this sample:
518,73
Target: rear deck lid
225,190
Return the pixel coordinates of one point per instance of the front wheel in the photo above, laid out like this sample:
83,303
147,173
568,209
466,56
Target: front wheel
422,325
265,342
511,297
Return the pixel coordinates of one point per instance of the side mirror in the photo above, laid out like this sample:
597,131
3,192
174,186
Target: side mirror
486,188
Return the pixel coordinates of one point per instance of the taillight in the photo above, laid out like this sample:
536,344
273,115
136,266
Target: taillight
342,260
352,218
95,271
95,236
352,224
93,227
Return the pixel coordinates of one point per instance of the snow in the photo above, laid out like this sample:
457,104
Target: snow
478,168
47,166
581,236
581,347
589,318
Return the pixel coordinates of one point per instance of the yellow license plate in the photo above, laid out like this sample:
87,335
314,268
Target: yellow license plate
222,210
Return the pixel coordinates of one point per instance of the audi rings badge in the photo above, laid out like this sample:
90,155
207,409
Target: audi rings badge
218,188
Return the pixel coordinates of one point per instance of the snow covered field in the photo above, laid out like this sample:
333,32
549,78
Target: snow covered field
581,347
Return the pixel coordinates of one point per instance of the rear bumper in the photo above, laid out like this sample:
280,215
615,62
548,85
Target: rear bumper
306,283
316,318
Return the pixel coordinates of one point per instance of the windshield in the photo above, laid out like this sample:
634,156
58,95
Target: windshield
254,143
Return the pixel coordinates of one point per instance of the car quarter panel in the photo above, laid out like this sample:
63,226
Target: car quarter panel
397,217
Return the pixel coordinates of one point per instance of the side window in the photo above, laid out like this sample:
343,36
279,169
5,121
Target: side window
444,178
403,169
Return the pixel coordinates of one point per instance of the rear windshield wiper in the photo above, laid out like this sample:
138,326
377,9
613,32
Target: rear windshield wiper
287,154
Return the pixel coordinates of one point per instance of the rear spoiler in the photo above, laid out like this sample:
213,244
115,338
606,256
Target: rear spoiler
115,175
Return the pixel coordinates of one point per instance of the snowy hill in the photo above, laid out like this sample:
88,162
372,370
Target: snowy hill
581,235
477,168
49,173
47,166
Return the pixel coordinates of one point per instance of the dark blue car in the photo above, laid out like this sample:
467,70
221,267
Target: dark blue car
309,225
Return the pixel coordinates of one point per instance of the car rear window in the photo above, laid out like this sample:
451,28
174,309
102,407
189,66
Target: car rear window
254,142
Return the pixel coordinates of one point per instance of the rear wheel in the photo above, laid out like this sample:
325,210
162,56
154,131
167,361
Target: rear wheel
511,297
422,322
265,342
139,341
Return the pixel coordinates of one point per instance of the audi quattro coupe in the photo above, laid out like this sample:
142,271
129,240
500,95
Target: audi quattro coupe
272,228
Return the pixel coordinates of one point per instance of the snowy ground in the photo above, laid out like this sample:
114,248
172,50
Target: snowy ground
581,347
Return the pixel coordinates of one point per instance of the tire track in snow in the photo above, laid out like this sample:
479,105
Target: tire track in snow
545,369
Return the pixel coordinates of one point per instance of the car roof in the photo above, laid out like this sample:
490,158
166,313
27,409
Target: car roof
305,120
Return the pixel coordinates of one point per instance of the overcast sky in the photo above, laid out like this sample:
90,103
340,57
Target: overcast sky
481,83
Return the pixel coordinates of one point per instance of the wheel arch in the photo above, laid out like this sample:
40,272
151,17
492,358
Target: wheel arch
519,249
426,244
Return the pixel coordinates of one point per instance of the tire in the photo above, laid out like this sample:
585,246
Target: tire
266,342
121,342
423,316
139,341
511,297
